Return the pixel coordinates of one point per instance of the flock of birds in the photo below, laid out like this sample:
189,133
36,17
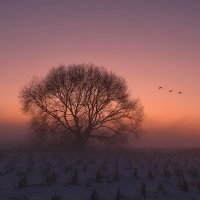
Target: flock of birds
180,92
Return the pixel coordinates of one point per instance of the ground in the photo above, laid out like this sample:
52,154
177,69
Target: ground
100,175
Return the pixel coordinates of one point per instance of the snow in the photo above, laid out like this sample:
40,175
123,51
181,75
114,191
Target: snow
134,174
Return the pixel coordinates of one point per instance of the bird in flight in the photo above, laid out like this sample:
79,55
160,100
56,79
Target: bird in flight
179,93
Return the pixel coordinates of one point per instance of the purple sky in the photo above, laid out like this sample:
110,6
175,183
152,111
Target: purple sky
150,43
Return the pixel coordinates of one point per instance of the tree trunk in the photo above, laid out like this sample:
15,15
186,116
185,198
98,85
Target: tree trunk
81,140
81,144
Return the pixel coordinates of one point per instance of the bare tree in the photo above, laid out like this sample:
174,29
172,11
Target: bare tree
81,103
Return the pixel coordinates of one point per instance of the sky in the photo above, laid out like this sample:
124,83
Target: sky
150,43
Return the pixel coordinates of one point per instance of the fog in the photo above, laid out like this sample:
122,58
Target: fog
176,135
13,134
181,133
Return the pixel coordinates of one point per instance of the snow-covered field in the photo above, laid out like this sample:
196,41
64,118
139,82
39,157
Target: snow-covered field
130,175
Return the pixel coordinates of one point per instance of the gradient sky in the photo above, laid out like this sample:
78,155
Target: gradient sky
151,43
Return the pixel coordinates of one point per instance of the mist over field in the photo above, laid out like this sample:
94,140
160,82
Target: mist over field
14,134
153,137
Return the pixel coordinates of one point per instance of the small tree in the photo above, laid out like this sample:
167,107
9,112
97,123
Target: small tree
81,103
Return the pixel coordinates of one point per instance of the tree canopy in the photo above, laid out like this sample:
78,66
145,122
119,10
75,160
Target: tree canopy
81,103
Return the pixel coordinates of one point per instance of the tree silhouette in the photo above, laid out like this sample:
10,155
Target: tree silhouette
81,103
